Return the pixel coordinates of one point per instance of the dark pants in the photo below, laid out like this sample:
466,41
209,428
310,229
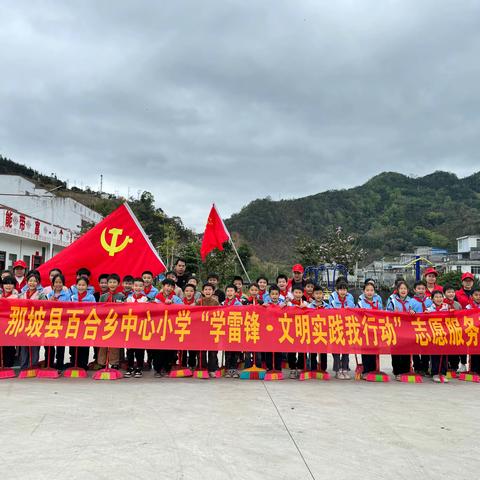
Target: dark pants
292,360
439,364
475,363
49,357
8,357
79,356
400,364
369,363
421,363
137,354
60,357
277,360
162,359
231,360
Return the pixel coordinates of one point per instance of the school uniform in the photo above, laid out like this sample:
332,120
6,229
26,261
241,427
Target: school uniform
474,359
438,363
273,360
454,360
341,361
400,363
25,360
8,352
189,357
231,358
369,362
79,355
421,305
56,353
150,292
113,353
323,356
209,358
136,354
256,355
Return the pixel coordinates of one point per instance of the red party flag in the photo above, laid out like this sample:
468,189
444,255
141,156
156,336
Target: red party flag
118,244
216,233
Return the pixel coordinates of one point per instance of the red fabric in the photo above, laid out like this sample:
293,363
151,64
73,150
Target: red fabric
462,298
89,250
230,303
20,285
82,295
162,298
189,302
137,296
422,301
215,234
372,304
262,329
428,292
30,293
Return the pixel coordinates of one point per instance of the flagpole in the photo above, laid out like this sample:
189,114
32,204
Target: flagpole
240,260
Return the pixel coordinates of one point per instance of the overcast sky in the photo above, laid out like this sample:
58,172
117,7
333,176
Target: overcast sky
201,101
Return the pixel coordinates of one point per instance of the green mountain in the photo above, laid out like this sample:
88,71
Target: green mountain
391,213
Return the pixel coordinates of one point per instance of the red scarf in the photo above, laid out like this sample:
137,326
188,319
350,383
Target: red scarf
189,302
418,299
252,300
127,294
322,305
110,295
229,303
403,302
30,294
239,295
372,304
261,293
82,295
438,308
296,302
284,293
475,306
308,297
162,297
342,301
148,289
6,295
450,303
137,296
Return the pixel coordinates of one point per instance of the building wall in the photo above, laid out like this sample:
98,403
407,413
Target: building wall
464,245
14,248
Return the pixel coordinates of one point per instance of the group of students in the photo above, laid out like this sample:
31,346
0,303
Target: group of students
428,297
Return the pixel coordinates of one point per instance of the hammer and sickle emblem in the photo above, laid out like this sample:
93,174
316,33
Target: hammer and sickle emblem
112,248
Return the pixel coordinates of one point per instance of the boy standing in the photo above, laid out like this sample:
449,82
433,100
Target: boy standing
149,290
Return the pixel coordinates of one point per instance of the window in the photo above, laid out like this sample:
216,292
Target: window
459,268
12,258
3,260
476,270
26,259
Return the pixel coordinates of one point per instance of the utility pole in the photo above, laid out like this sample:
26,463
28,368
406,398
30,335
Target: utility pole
101,184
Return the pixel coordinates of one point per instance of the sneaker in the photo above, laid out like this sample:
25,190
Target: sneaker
293,374
158,375
229,374
436,379
236,374
128,373
398,378
211,374
115,366
339,375
138,373
346,375
462,368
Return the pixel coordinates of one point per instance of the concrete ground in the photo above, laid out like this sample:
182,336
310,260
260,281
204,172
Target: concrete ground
237,429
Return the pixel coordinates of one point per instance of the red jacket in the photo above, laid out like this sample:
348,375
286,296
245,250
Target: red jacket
462,297
428,293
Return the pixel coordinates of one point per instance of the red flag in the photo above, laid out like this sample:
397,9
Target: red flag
118,244
216,233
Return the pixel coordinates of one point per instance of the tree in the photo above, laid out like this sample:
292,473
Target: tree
337,247
450,278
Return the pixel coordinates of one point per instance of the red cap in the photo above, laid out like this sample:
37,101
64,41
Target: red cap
19,263
468,275
430,270
297,268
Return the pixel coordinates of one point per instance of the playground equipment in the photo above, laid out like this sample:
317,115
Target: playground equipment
331,271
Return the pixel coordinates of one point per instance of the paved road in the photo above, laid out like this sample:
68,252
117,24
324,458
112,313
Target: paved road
236,429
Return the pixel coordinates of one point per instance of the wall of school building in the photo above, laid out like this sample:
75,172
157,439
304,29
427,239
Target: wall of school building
14,248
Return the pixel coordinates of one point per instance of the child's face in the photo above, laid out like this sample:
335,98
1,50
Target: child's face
8,288
342,292
172,276
58,284
239,285
431,278
420,290
147,279
82,286
193,281
282,283
262,283
275,295
437,299
253,290
112,284
167,289
189,293
213,281
138,287
127,285
450,294
230,293
52,274
318,296
309,288
297,294
32,283
103,284
207,291
369,291
403,291
476,297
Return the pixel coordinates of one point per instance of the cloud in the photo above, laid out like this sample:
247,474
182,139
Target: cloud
228,102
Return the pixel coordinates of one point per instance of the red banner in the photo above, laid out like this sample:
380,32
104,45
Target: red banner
250,328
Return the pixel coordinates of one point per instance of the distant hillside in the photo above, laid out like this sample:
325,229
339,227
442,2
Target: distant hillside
391,213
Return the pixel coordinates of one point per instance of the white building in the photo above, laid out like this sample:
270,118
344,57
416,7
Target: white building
467,258
31,218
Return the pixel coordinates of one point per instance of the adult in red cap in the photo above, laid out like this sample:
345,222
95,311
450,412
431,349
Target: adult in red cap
463,295
297,278
19,269
430,275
